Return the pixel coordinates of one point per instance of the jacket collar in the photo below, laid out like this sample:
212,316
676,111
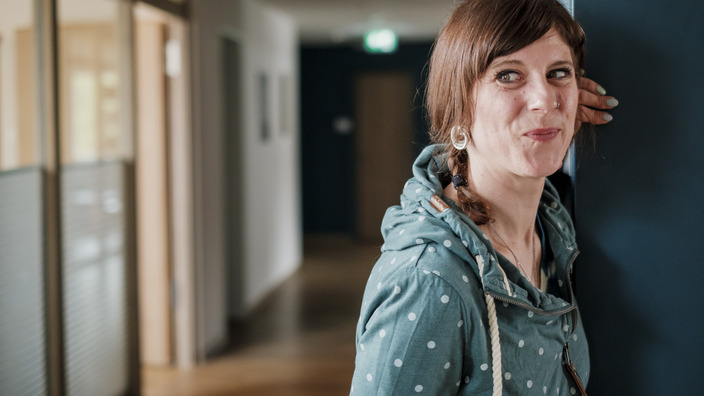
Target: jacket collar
423,194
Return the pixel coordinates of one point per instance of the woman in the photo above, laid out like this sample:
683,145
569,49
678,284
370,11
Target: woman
473,292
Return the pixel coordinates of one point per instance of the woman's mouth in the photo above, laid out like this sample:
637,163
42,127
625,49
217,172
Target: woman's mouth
543,134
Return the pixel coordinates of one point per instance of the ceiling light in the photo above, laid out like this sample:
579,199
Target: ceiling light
380,41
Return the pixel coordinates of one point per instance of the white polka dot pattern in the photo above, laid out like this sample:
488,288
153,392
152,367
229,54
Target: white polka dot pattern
416,320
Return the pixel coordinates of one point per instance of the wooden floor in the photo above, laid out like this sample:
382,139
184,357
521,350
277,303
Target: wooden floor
300,341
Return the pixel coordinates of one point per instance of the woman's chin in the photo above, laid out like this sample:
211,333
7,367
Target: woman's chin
543,169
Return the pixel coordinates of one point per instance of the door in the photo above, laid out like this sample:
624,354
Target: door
384,102
152,193
164,189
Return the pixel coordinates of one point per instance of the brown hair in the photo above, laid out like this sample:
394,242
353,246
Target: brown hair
477,32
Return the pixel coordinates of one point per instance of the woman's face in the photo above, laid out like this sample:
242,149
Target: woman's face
525,108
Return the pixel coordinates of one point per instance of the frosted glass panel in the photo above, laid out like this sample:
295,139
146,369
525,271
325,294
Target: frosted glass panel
22,340
94,280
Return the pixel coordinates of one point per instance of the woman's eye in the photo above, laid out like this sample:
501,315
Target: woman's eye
507,76
560,73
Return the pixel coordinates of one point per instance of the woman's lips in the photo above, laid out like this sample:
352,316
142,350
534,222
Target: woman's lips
543,134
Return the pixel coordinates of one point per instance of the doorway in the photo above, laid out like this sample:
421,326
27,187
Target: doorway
163,189
384,148
232,130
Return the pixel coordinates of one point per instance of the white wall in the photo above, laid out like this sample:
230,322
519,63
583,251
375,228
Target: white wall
271,198
273,218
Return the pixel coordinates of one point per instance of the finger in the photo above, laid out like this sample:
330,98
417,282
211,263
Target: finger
593,116
591,86
587,98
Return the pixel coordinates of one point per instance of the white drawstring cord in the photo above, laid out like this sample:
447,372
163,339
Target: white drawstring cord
493,333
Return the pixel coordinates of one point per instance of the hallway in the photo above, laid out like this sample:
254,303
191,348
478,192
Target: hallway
299,341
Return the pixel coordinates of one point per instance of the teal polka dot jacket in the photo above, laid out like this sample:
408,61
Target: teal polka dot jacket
444,314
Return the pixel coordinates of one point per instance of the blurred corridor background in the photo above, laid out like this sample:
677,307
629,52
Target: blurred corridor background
191,190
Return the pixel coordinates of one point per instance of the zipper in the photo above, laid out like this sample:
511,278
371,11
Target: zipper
570,268
571,370
572,307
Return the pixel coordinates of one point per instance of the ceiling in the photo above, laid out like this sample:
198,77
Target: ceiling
340,21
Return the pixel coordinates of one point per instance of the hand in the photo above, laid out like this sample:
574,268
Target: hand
592,102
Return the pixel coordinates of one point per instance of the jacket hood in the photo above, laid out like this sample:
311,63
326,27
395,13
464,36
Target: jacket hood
423,217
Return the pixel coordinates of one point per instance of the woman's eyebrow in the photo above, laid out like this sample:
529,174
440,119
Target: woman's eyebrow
517,62
562,63
505,62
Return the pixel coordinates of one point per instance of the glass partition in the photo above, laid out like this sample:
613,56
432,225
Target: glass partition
66,285
22,309
93,178
18,132
89,81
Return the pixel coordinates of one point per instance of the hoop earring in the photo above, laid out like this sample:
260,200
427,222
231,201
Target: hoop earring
459,144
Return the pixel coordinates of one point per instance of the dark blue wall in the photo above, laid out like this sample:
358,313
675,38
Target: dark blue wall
640,198
327,159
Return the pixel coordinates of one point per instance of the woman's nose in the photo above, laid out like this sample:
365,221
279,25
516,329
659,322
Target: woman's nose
542,97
